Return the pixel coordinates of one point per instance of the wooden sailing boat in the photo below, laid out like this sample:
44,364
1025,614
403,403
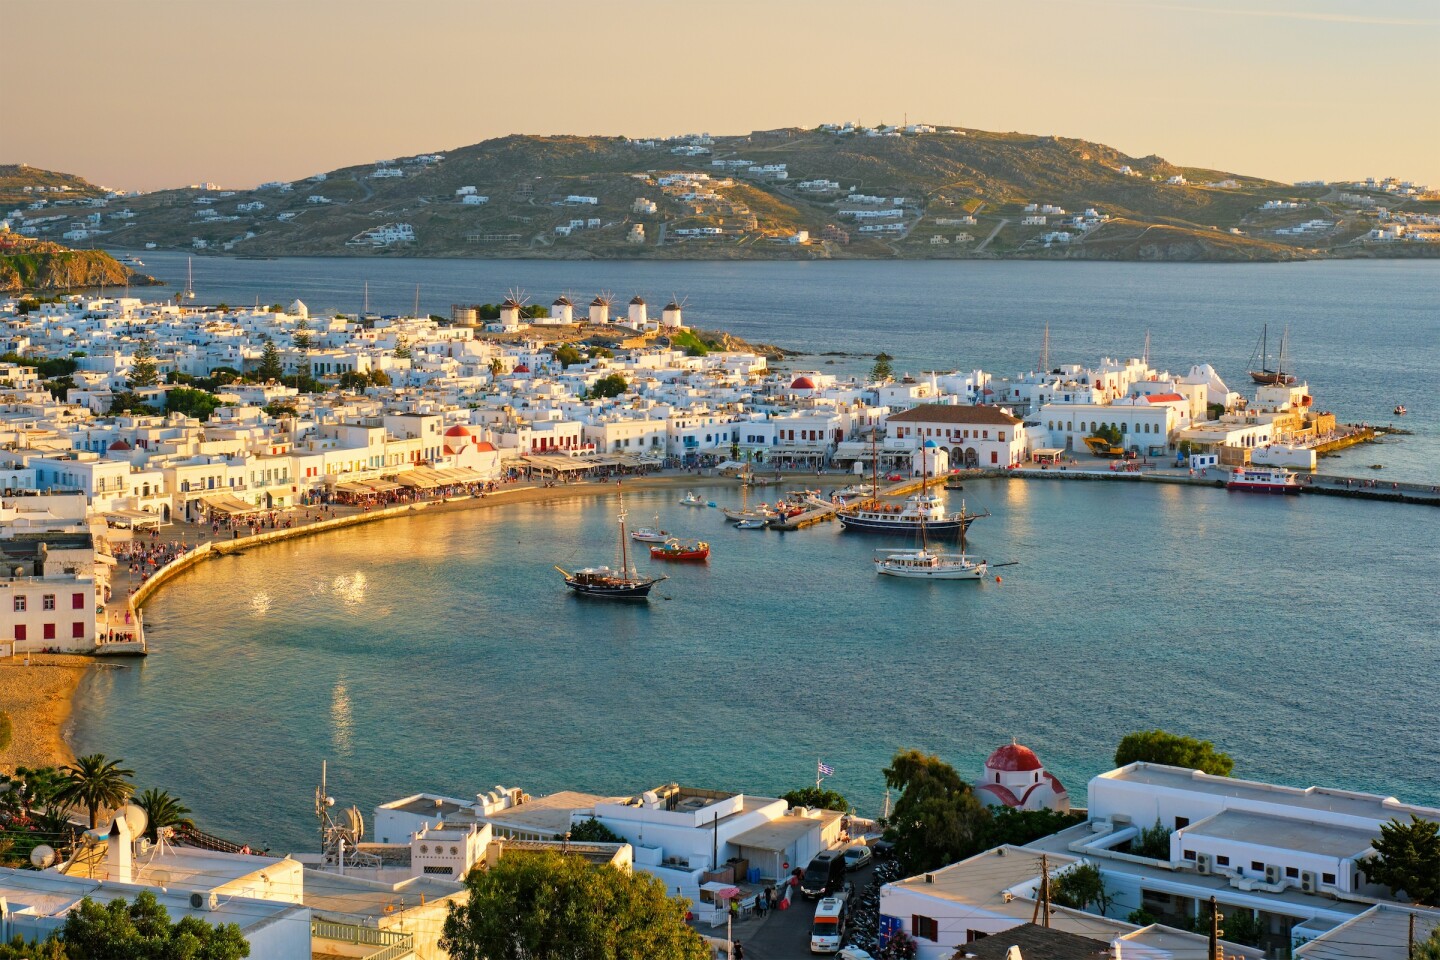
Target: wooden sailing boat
927,564
607,584
1262,350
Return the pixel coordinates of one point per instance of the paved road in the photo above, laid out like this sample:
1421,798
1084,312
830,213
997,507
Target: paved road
998,227
785,934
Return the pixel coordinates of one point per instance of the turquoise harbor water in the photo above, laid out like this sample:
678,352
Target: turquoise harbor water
442,653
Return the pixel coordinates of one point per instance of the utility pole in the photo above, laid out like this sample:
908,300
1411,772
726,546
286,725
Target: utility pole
1410,942
1215,931
1044,899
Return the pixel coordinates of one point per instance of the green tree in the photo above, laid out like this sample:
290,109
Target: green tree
353,381
938,818
1158,746
1152,842
93,782
1429,949
497,367
1080,888
568,355
379,378
143,372
593,831
270,367
127,402
1240,926
609,386
52,948
193,403
817,797
1407,857
142,931
1141,917
547,906
402,350
162,810
1019,827
302,339
1109,433
882,370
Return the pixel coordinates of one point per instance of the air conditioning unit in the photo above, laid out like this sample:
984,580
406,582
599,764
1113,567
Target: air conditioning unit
1202,863
1308,882
1272,873
204,900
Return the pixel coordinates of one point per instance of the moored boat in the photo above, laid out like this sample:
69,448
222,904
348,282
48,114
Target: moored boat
927,564
674,549
1265,375
607,584
1263,480
873,516
651,534
691,499
752,523
1400,410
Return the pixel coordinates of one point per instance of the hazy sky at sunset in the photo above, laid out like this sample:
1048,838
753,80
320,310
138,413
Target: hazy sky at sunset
156,93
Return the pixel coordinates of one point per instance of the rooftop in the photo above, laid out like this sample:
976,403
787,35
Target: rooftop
332,895
1037,943
548,814
948,413
1283,833
1378,934
1368,806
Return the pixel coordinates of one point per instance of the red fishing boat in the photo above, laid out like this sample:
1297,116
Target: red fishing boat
674,549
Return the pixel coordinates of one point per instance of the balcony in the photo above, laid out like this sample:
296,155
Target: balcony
329,938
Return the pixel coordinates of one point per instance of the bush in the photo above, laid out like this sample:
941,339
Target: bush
593,831
1152,842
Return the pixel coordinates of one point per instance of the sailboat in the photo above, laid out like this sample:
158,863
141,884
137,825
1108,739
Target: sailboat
189,278
921,509
927,564
607,584
1262,350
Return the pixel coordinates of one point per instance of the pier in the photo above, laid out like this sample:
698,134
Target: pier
1317,484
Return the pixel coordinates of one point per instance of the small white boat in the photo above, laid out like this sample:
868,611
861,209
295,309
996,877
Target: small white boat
926,564
651,534
752,523
132,261
691,500
1400,410
1263,480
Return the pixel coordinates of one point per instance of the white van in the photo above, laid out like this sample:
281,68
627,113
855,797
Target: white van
829,926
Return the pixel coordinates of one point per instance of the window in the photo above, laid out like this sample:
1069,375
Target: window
924,928
47,602
1189,854
1181,823
1293,873
77,601
1257,866
1328,879
49,631
19,604
77,629
443,871
1222,861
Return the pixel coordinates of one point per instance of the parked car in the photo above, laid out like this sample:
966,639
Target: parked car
856,856
853,953
824,876
883,849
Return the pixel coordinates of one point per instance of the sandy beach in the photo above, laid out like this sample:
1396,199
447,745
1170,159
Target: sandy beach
38,699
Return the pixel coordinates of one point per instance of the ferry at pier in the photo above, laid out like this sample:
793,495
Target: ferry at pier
1263,480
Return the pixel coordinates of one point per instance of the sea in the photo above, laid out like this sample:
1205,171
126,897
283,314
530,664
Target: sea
442,653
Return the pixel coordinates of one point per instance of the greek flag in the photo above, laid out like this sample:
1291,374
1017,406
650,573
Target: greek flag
825,769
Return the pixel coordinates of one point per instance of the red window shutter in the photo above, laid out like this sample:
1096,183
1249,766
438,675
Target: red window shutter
49,631
19,631
77,601
77,629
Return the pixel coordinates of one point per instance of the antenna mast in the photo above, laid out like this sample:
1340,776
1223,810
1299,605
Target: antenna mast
1045,350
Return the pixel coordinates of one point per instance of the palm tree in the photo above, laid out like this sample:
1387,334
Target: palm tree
30,788
96,782
163,811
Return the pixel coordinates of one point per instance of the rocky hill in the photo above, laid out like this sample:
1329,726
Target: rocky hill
950,193
28,266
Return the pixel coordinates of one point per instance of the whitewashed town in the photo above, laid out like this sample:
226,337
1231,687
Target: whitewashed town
123,421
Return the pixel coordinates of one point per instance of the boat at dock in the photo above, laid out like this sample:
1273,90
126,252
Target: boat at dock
674,549
607,584
752,523
874,516
1263,480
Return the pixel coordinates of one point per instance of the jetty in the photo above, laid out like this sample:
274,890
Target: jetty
1316,484
819,512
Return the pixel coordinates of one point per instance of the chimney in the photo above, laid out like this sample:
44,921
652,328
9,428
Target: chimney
117,856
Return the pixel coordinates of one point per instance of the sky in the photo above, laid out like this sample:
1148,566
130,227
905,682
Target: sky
145,94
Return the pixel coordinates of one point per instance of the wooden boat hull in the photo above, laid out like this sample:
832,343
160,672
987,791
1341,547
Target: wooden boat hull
908,526
1270,377
634,591
690,556
1284,489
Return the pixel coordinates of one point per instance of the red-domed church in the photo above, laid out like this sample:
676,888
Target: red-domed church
1015,778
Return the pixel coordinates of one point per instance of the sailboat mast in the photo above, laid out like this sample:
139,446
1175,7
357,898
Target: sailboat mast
924,476
624,553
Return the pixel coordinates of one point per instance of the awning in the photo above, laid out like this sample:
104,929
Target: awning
231,504
420,479
133,518
382,486
353,489
722,891
1049,452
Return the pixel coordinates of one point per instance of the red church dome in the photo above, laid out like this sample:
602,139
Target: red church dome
802,383
522,369
459,430
119,445
1013,757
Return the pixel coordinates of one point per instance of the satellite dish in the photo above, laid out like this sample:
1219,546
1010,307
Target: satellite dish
357,823
135,818
42,856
